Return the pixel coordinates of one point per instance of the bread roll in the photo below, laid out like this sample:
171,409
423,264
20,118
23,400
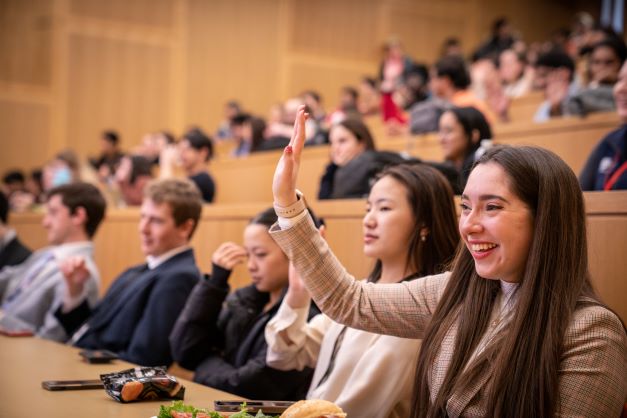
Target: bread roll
313,408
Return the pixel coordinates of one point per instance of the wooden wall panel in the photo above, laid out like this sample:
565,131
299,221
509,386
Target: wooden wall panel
232,53
25,41
344,29
115,84
24,129
144,12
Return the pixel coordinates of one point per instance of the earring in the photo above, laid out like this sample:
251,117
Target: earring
423,238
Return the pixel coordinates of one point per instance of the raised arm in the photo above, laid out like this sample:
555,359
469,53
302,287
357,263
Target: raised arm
400,309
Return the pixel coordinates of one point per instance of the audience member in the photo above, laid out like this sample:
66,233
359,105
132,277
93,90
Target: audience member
405,208
369,98
496,339
515,74
141,306
451,47
196,149
606,168
313,101
12,251
352,156
32,291
110,155
501,38
242,147
13,181
394,66
461,131
131,178
554,75
231,109
153,145
221,336
605,60
347,107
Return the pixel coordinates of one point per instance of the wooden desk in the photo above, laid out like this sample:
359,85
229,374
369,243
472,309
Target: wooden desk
26,362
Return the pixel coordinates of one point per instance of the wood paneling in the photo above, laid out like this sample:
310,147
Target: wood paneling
144,12
24,129
344,29
25,41
233,53
115,85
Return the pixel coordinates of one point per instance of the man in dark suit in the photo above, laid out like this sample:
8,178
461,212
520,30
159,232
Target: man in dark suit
135,317
12,251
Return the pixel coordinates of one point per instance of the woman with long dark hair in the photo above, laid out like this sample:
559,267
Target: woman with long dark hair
515,329
405,208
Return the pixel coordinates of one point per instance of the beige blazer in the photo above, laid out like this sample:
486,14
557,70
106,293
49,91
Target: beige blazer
592,373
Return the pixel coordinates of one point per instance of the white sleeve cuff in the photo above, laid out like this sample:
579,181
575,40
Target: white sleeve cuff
287,223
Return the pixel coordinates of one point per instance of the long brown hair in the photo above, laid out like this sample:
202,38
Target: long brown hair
430,197
524,360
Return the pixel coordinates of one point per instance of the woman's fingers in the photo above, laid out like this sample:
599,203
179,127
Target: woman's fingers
286,174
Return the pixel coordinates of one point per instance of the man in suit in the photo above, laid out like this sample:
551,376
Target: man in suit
31,292
135,317
12,251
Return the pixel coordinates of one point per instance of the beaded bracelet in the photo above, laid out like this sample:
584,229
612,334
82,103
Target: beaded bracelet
293,209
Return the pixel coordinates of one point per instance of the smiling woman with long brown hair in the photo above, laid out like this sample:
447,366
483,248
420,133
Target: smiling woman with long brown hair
515,329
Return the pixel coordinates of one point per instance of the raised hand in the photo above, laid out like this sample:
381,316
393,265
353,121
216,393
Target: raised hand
75,274
286,173
228,255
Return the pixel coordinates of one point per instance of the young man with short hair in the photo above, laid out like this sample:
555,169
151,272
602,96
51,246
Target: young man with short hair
196,150
135,317
31,292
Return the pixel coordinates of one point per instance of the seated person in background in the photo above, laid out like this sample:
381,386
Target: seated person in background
450,86
281,131
461,131
110,155
410,228
231,109
33,290
196,149
140,307
554,75
313,101
13,181
221,336
242,147
351,151
14,186
606,168
347,108
604,63
498,341
131,178
369,102
12,251
515,74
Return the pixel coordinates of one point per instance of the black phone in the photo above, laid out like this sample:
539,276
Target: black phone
98,356
72,384
268,407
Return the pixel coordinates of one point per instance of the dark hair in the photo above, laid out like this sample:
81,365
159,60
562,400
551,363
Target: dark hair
370,81
258,127
169,138
86,196
234,105
525,360
555,59
455,69
471,119
140,166
69,157
13,176
498,24
181,195
198,140
268,217
313,94
351,91
618,46
4,208
111,136
240,118
430,197
360,130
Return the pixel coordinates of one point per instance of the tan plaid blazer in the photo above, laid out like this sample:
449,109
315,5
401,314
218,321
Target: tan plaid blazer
593,370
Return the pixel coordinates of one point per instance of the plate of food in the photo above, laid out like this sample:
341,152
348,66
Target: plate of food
313,408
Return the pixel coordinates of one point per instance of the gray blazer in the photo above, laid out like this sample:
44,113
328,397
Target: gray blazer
36,303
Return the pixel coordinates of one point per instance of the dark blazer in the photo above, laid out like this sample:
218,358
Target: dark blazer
14,253
135,317
222,339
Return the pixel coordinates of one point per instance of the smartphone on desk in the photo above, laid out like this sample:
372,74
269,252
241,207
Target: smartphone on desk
268,407
98,356
72,384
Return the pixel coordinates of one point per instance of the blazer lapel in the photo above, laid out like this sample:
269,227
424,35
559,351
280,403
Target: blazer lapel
134,283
